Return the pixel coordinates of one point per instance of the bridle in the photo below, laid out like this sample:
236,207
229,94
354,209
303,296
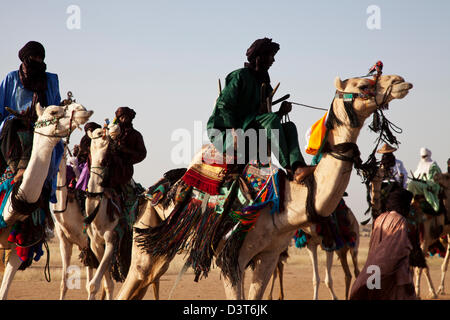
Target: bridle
55,121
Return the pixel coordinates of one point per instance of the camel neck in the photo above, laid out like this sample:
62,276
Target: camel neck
331,177
37,170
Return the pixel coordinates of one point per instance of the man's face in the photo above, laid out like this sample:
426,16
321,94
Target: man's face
125,119
264,62
36,58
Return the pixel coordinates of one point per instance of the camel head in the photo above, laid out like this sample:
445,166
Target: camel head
99,143
368,94
60,121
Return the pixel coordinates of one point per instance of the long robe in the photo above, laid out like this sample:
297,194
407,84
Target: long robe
16,97
389,250
239,107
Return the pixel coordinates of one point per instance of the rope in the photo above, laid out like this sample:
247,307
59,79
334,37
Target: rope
47,263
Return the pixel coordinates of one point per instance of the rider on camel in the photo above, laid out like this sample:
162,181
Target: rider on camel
394,169
242,105
423,182
127,150
20,91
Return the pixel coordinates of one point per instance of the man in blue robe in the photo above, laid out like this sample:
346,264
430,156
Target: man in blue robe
21,90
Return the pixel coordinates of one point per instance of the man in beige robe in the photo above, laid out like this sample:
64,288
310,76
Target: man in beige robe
388,257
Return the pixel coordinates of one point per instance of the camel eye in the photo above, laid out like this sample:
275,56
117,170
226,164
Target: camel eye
54,112
363,87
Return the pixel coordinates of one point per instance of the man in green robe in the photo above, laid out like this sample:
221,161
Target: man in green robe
243,105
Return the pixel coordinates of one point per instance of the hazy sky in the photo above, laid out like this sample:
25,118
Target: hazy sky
164,58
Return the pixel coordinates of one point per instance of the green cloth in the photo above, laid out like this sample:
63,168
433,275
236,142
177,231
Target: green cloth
427,187
238,107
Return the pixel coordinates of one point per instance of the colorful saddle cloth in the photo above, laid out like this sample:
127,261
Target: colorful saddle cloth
208,170
19,234
337,227
202,220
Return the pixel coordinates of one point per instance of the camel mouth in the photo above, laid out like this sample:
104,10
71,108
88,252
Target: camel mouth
401,89
83,116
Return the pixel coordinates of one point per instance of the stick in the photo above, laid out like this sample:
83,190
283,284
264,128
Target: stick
220,87
275,90
281,99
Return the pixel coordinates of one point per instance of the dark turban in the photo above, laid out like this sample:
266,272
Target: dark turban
91,126
399,200
32,48
125,110
261,47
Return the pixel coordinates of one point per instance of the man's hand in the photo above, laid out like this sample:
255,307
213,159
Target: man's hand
285,108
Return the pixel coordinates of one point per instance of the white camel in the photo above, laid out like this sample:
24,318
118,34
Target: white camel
428,239
272,233
101,229
68,224
53,123
313,242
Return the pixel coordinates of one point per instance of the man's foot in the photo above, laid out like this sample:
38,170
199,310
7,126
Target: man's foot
302,172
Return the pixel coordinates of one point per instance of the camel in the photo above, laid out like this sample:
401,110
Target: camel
68,224
53,123
101,227
314,241
271,234
144,268
437,222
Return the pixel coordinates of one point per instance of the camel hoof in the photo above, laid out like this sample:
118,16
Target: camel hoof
441,291
432,295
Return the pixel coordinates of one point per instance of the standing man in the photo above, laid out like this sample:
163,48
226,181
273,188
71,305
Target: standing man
389,251
243,105
20,91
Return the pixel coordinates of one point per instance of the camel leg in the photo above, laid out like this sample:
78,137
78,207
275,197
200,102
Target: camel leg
354,255
274,277
312,250
105,261
342,254
108,287
65,247
418,274
155,290
280,273
12,266
441,289
328,278
432,293
233,291
265,266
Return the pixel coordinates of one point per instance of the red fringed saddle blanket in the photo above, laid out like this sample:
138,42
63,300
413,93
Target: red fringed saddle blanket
208,170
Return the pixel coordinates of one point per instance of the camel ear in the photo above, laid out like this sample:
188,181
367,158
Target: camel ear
339,84
39,109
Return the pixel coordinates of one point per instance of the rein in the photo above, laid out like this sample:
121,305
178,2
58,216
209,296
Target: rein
380,124
67,199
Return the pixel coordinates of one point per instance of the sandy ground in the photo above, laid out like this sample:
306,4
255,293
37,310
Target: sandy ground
31,285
